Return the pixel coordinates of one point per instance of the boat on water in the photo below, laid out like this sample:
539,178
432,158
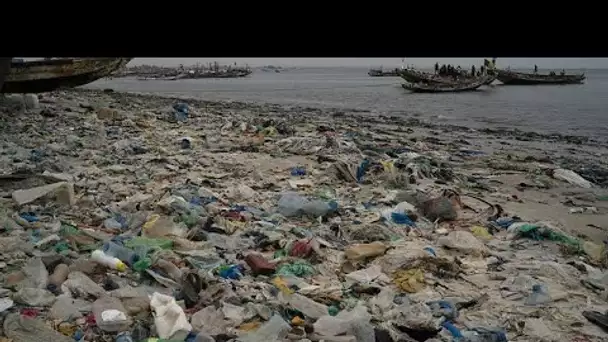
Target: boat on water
198,71
454,87
381,73
38,76
417,76
509,77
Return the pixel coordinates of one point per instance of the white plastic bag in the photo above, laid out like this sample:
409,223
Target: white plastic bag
572,178
170,320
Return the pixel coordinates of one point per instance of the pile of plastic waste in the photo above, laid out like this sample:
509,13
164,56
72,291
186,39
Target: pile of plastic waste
138,218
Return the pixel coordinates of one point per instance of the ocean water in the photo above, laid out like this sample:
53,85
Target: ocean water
567,109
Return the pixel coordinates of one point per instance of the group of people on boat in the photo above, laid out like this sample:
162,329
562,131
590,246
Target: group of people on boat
552,73
451,71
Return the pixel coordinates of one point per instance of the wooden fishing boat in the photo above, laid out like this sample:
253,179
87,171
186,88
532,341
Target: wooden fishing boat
519,78
416,76
40,76
382,73
456,87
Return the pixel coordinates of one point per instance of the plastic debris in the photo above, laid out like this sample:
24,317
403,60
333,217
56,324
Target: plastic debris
120,222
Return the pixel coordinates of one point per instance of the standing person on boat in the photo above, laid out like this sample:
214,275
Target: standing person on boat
436,67
473,70
563,73
482,69
535,69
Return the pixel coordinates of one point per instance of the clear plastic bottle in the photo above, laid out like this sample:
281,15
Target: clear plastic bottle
114,263
124,254
292,204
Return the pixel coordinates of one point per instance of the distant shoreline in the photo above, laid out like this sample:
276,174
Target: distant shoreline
325,111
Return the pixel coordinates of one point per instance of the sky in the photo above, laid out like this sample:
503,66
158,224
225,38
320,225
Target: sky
543,63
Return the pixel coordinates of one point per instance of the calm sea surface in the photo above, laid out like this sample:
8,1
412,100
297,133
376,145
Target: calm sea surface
572,109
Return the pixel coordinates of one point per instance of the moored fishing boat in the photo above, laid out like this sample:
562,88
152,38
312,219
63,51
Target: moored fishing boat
520,78
416,76
382,73
40,76
455,87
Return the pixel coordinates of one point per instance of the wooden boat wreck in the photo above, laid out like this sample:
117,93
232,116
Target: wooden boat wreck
455,87
40,76
508,77
381,73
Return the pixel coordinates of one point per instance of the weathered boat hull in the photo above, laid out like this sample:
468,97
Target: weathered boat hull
380,73
449,88
47,75
518,78
414,76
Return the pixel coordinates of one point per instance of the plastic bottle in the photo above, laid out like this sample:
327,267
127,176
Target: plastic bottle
110,314
292,204
124,254
108,261
168,267
60,274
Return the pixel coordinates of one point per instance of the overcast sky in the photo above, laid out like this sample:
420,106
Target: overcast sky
543,63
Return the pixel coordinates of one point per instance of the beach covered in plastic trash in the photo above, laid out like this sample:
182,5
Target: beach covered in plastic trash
140,218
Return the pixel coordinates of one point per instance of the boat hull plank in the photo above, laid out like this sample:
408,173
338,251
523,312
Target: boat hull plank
49,75
450,88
